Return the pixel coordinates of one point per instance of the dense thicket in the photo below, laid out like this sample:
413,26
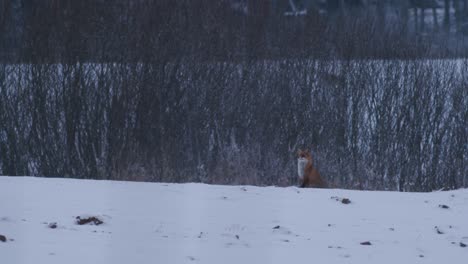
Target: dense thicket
227,91
371,124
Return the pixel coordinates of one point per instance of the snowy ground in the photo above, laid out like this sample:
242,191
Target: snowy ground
197,223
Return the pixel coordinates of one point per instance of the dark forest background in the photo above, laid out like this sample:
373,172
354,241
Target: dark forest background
226,91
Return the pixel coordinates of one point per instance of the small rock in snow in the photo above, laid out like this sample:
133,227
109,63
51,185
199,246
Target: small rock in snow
276,227
462,244
443,206
52,225
342,200
237,236
438,230
345,201
3,238
366,243
421,256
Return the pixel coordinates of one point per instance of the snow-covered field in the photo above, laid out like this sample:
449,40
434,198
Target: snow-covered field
198,223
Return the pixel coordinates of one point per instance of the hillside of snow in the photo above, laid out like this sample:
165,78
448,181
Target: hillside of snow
198,223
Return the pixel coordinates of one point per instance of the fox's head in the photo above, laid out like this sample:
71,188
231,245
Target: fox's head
304,154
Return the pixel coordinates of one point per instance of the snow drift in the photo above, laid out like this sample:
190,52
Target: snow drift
198,223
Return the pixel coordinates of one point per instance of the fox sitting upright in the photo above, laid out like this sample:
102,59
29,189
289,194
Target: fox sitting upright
308,173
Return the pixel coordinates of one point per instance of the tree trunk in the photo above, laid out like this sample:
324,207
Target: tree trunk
458,14
404,14
447,15
423,11
416,20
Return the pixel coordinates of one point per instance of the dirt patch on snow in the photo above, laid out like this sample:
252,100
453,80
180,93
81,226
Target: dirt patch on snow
92,220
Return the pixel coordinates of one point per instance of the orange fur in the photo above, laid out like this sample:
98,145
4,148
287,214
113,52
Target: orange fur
311,177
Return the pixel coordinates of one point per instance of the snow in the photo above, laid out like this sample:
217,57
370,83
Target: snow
199,223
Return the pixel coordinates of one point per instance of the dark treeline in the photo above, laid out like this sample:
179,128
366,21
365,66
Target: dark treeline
153,31
396,125
227,91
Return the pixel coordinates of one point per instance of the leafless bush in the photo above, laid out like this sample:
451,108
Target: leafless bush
371,124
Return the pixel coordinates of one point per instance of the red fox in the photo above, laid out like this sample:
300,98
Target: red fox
308,173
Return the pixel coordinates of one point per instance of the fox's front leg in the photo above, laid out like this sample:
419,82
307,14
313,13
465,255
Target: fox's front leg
304,183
